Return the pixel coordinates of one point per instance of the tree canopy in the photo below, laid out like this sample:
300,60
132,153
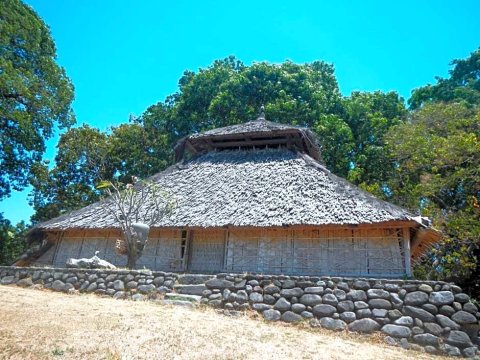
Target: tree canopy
463,85
81,161
437,171
86,156
12,241
437,153
35,93
229,92
350,129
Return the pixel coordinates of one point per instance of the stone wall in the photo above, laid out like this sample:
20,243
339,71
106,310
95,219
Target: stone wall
134,284
435,316
424,315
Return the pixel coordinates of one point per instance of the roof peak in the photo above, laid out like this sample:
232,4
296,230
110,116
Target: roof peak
261,114
256,134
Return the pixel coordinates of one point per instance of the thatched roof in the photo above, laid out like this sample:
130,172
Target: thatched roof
261,188
258,133
259,125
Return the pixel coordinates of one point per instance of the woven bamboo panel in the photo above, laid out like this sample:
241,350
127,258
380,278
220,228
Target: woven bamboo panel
259,250
67,248
207,250
111,254
167,251
150,255
385,253
92,245
347,252
301,251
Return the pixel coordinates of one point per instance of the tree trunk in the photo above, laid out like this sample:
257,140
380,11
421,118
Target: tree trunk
132,260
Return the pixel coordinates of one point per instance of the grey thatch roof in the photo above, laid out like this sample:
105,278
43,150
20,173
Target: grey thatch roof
255,126
257,133
270,187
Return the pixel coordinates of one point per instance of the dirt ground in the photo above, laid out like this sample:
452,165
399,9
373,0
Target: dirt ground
47,325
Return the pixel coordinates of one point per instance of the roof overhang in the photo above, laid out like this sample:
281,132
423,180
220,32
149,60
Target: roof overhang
423,241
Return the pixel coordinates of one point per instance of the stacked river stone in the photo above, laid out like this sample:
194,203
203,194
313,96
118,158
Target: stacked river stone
435,316
424,315
121,284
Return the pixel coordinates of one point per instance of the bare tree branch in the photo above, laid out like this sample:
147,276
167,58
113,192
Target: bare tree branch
143,203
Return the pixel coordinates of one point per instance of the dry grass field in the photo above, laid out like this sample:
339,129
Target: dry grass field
47,325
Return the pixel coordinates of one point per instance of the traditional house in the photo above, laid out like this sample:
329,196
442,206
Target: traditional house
254,197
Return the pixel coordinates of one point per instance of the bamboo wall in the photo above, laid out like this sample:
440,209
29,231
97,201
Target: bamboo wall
370,252
295,251
164,251
207,248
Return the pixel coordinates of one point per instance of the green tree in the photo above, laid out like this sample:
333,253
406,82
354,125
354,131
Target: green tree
86,156
228,92
463,85
191,105
437,156
338,143
12,241
82,160
138,150
35,93
292,93
369,117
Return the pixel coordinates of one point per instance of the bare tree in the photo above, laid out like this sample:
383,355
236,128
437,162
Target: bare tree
135,207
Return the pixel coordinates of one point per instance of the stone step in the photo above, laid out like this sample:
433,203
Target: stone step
179,303
190,289
193,279
182,297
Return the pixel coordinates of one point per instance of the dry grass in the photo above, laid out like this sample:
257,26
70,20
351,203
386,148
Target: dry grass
46,325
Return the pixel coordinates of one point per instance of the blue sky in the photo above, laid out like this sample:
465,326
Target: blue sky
123,56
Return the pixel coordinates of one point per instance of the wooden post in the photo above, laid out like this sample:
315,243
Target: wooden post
187,252
225,239
407,252
226,248
57,244
81,247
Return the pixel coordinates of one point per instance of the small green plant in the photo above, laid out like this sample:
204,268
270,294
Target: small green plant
475,302
420,272
181,298
58,352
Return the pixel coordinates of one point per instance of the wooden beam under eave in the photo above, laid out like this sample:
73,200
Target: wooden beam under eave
97,232
77,232
381,225
253,142
209,144
250,134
